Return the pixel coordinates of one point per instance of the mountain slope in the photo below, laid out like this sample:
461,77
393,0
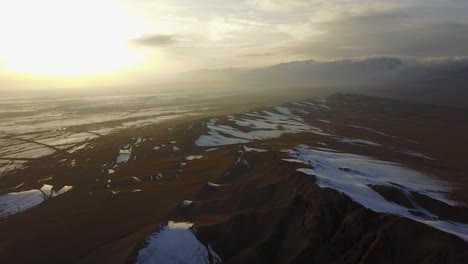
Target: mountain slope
341,179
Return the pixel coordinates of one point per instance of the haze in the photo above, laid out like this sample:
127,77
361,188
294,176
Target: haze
233,131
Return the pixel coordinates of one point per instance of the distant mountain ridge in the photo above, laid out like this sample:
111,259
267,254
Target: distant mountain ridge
434,80
383,65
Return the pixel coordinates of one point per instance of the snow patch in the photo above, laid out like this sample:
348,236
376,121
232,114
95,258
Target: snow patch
139,140
353,175
64,189
77,148
353,141
176,242
136,180
16,202
45,179
213,184
416,154
196,157
247,149
185,203
283,110
262,126
324,121
370,130
124,155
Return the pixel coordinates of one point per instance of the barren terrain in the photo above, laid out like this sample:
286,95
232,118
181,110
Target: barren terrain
340,179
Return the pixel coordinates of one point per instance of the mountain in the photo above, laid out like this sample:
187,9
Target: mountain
437,81
342,179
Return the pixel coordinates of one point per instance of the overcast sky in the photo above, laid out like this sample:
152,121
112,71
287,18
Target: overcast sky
255,32
176,36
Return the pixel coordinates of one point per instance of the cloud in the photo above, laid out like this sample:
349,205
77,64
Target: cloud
391,33
155,40
251,33
259,54
326,9
276,5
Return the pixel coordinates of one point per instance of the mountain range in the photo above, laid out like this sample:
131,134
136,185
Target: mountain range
437,81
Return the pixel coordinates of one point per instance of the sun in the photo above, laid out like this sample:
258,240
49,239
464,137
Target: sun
67,38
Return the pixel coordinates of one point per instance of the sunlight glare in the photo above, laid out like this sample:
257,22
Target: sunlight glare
67,38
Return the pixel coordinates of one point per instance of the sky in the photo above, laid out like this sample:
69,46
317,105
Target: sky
64,43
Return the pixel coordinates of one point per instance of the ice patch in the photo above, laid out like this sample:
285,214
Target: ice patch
77,148
283,110
64,189
262,126
136,180
27,151
324,121
316,104
296,161
247,149
196,157
212,121
371,130
124,156
353,141
176,243
215,139
16,202
213,184
139,140
353,175
299,104
185,203
10,165
14,187
211,149
416,154
175,148
45,179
